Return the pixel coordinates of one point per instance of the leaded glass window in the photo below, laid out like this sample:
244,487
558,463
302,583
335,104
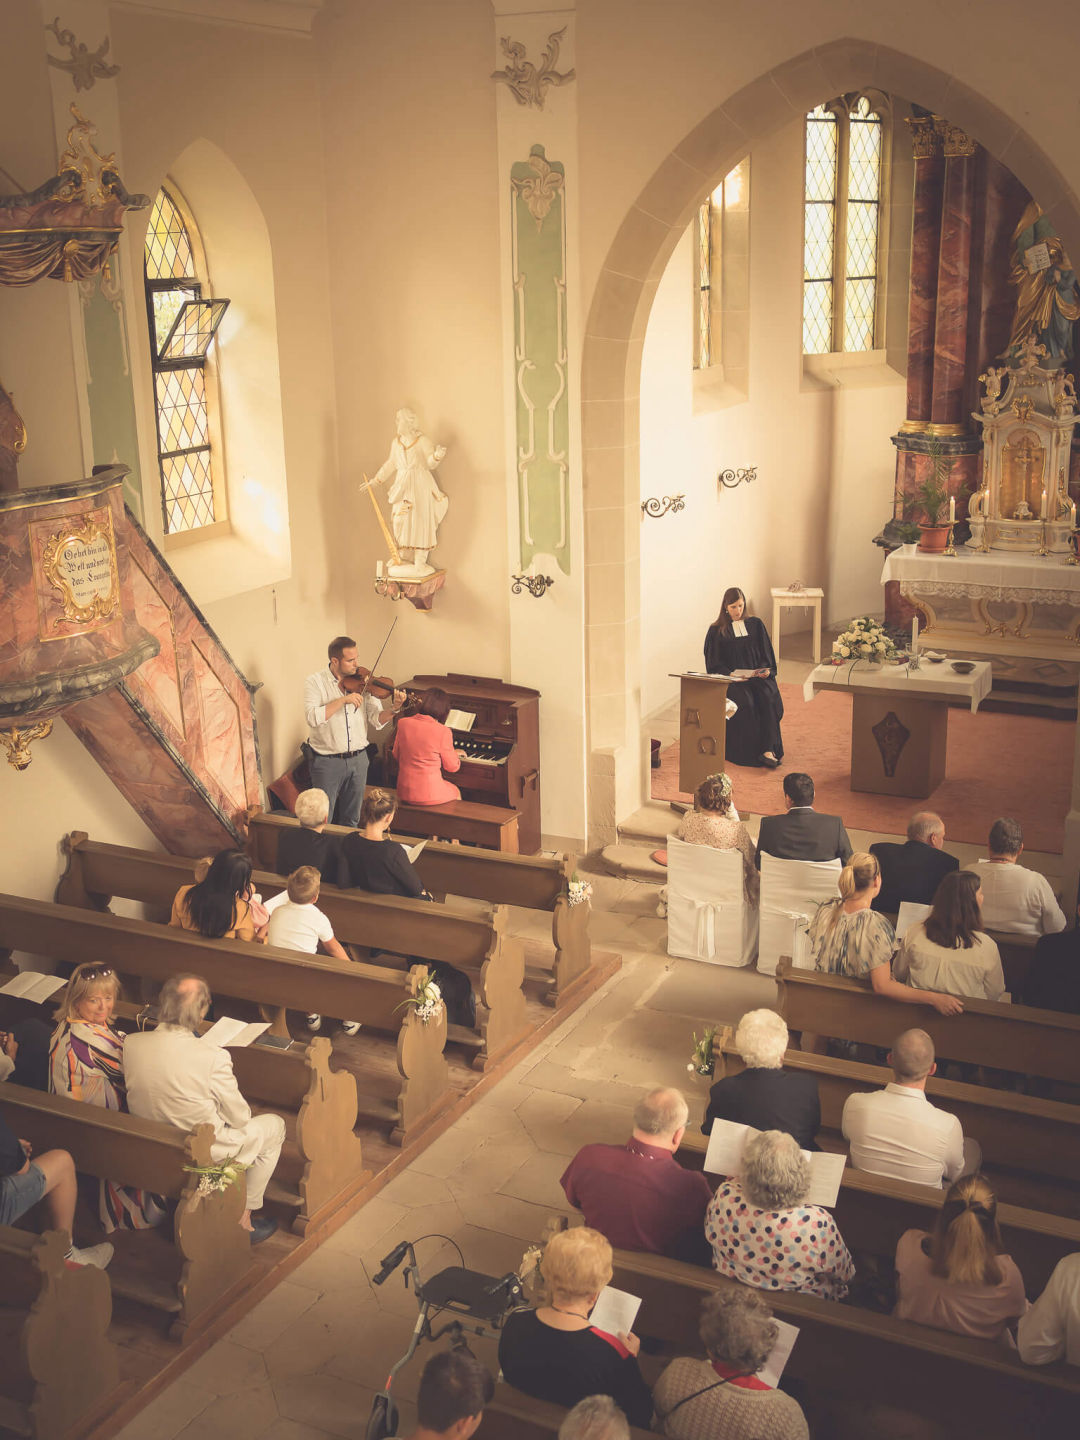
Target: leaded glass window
842,235
721,259
182,327
704,284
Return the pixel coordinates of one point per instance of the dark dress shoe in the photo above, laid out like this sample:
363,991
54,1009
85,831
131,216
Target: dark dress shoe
772,764
262,1227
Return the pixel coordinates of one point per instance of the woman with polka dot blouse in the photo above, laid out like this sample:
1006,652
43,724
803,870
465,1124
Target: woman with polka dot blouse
762,1233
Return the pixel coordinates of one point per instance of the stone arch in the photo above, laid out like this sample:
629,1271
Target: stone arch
615,333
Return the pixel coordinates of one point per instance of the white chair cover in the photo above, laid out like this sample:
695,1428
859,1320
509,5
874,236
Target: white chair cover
708,918
791,891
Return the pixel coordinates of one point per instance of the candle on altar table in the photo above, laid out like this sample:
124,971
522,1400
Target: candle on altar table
1043,511
915,636
952,509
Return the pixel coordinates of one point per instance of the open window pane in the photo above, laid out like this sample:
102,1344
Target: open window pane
195,326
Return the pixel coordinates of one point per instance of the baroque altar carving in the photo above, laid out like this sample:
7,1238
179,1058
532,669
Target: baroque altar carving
1023,504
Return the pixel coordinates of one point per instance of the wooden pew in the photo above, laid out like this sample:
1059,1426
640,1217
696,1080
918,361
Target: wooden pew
1007,1037
470,936
58,1367
260,973
873,1211
513,1415
1018,1133
209,1260
973,1387
530,882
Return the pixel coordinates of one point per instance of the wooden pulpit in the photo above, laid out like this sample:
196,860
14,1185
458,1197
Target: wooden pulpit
702,726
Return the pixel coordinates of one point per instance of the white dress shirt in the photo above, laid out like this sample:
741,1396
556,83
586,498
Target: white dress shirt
1017,899
897,1132
1051,1328
344,732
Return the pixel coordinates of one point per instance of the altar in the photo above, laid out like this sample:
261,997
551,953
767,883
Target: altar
997,601
900,720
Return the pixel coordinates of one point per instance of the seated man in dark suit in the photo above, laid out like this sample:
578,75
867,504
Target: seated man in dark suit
765,1095
913,871
1053,982
802,834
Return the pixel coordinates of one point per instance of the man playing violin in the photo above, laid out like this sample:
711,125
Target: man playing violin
339,721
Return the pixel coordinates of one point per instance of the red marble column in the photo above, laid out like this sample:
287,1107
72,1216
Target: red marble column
954,282
925,251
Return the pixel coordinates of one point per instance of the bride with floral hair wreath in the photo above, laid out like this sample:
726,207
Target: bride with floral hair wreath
715,821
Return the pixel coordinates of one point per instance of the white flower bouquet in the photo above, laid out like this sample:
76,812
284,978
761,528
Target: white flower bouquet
216,1179
864,639
701,1057
427,1001
579,890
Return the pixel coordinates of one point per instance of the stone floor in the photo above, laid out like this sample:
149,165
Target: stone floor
307,1361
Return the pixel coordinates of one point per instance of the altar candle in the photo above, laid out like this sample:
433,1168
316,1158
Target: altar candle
915,636
952,509
379,567
1043,511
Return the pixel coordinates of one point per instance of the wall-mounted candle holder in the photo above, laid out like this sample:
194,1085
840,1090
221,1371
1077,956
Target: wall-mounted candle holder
656,508
729,479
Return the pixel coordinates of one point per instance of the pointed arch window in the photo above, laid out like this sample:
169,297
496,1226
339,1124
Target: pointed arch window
844,225
183,321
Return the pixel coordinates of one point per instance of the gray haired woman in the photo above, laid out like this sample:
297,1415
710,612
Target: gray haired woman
764,1234
723,1395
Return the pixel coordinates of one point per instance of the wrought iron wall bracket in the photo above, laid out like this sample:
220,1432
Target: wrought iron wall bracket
729,479
536,585
656,508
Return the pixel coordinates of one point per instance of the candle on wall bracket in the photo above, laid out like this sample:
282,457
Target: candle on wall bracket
730,479
657,507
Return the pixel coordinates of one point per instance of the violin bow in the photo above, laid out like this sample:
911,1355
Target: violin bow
378,657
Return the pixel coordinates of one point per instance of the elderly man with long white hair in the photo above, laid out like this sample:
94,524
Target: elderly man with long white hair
763,1094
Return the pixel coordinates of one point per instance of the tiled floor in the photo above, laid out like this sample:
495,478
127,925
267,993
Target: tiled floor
306,1362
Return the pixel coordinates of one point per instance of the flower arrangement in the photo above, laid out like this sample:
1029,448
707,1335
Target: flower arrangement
216,1179
864,639
427,1001
701,1057
579,890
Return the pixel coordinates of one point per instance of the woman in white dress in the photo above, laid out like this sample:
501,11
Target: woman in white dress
417,505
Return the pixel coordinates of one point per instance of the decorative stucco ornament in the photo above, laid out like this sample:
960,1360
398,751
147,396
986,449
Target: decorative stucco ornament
527,84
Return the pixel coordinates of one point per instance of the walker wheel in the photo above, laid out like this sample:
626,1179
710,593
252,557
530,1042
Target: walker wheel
384,1419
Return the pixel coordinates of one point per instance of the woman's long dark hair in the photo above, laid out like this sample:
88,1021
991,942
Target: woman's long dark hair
212,902
954,918
731,594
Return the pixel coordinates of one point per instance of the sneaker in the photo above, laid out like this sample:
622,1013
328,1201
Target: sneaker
314,1022
98,1255
351,1027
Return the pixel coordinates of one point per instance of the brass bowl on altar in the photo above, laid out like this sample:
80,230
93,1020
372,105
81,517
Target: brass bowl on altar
963,667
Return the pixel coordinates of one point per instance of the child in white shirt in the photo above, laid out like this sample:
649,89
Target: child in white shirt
297,923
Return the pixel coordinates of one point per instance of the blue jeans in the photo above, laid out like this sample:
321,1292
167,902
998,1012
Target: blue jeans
343,781
19,1192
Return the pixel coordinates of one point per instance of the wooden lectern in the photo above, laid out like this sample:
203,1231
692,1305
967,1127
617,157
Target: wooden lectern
702,726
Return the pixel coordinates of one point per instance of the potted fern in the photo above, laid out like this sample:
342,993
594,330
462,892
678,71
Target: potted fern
932,498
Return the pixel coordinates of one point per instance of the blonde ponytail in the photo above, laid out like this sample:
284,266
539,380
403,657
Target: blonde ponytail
858,874
966,1241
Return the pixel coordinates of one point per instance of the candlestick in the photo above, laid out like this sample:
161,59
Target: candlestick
1074,544
1042,550
950,548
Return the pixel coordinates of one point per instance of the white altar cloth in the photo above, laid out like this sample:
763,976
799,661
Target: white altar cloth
929,682
997,575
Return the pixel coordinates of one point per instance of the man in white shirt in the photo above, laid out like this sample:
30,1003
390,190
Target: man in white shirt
174,1076
297,923
1051,1328
897,1132
339,725
1015,898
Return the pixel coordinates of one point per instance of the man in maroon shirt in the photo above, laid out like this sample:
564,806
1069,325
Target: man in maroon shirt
637,1194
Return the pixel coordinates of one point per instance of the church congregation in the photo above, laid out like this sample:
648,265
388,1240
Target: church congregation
470,968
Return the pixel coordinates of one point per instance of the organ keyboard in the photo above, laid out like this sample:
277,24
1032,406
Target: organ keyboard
501,747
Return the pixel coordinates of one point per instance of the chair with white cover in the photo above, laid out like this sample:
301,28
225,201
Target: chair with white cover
791,891
708,917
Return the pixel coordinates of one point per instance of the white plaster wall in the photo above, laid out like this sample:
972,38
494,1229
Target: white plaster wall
824,461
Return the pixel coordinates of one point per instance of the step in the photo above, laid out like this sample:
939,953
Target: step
631,862
650,826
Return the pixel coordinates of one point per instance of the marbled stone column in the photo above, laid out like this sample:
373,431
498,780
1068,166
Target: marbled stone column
925,249
954,282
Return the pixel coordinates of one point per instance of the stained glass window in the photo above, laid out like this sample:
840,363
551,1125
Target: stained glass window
182,326
842,226
715,243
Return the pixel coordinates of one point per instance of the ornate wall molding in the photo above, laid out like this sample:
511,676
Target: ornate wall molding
538,255
85,65
526,82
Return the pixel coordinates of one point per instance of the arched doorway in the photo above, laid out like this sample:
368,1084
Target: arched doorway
615,332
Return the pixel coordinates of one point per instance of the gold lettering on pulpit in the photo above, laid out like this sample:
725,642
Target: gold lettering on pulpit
78,564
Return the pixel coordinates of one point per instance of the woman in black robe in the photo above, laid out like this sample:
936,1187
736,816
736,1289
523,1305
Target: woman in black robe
736,641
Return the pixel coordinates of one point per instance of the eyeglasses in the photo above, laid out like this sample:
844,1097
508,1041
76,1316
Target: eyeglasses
95,972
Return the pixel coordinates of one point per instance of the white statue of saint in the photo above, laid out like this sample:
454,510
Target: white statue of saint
417,505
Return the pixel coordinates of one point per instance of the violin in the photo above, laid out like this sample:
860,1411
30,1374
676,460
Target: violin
382,687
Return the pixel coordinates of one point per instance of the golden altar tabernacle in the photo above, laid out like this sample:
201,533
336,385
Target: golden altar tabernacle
1024,502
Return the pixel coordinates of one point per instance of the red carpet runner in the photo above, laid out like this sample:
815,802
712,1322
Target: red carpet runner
997,765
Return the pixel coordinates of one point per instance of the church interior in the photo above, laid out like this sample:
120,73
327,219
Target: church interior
658,399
